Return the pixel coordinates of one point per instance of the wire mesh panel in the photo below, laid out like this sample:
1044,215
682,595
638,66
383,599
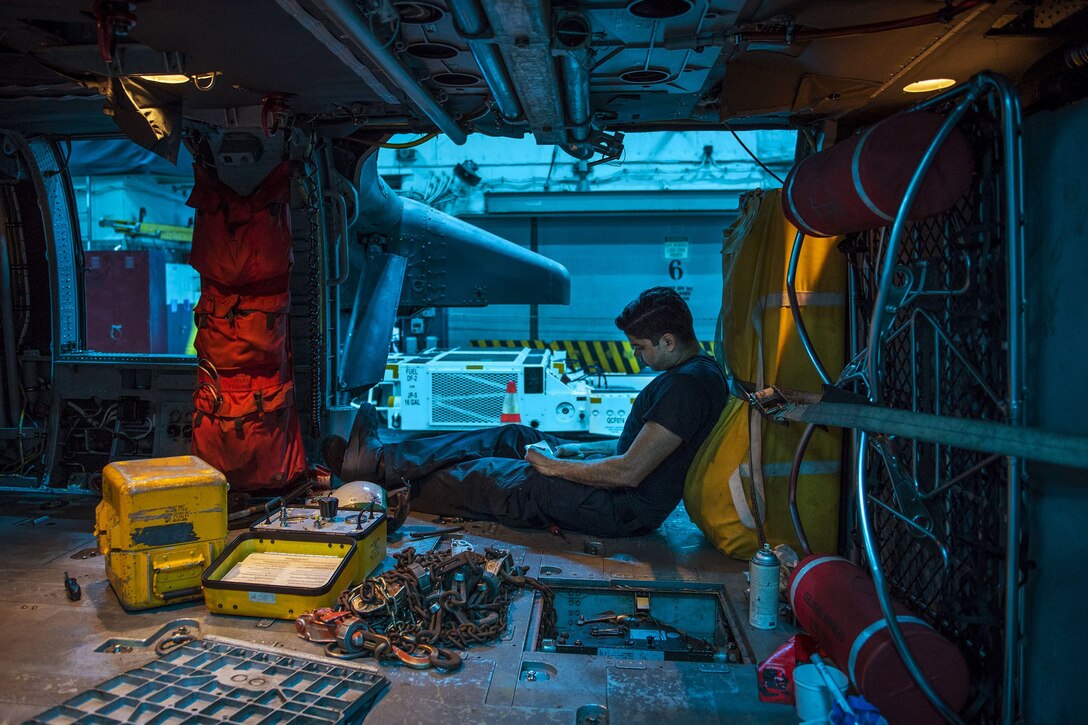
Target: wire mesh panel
940,512
468,399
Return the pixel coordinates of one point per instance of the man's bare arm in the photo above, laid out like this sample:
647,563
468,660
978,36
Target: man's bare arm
651,446
589,448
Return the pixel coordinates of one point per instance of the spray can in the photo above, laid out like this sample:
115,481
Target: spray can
763,589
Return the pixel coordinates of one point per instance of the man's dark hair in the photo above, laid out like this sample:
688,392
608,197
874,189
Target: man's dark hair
656,311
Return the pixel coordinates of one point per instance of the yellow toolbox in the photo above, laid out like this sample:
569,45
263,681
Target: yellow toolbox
368,528
160,523
281,575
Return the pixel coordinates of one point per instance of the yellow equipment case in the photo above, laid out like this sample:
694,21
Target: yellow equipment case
160,523
297,572
368,528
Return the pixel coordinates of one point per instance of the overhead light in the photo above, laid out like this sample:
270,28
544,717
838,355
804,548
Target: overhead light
166,78
202,81
929,85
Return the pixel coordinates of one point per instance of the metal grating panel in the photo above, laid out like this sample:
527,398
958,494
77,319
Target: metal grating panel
947,353
209,681
463,398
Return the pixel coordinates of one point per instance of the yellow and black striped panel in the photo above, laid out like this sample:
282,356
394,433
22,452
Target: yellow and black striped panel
607,356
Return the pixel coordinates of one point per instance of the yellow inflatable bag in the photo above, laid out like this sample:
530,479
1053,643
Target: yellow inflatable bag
760,344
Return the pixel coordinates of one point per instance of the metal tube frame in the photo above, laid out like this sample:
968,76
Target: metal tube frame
810,350
1013,223
795,473
876,335
795,309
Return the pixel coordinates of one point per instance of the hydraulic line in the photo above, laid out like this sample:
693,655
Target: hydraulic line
755,158
403,145
737,36
806,341
941,16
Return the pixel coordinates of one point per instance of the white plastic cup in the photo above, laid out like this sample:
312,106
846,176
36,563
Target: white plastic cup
810,693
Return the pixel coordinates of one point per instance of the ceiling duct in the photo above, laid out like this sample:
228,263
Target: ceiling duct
469,21
418,13
523,31
432,51
659,9
345,16
455,80
572,36
645,76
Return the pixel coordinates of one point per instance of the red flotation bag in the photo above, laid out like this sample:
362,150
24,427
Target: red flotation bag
240,332
246,426
239,240
836,603
245,421
859,183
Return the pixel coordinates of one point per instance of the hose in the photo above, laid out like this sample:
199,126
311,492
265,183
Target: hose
405,145
941,16
795,472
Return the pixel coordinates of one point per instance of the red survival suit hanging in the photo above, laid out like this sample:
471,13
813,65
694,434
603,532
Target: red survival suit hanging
245,423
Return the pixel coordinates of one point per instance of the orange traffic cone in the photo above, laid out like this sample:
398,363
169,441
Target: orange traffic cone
510,413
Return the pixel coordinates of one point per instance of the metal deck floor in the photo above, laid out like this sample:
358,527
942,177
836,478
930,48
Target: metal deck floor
49,643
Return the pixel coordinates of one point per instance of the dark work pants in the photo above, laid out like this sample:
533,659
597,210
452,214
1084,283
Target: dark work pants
482,474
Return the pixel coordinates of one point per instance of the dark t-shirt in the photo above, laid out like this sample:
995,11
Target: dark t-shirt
687,400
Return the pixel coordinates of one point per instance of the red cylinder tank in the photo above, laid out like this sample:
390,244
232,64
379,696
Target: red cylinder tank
859,183
836,602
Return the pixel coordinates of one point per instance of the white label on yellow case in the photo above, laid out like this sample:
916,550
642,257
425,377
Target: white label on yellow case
271,568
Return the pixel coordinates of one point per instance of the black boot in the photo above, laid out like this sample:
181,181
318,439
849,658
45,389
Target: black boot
333,449
363,459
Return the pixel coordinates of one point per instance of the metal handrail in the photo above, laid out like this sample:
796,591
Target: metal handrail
343,264
876,334
795,310
1012,153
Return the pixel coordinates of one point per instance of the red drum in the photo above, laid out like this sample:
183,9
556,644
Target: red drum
836,602
859,183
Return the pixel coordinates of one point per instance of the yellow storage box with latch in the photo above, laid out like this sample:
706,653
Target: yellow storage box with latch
281,575
160,523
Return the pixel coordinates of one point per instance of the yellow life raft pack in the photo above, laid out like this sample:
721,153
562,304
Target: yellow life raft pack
760,344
